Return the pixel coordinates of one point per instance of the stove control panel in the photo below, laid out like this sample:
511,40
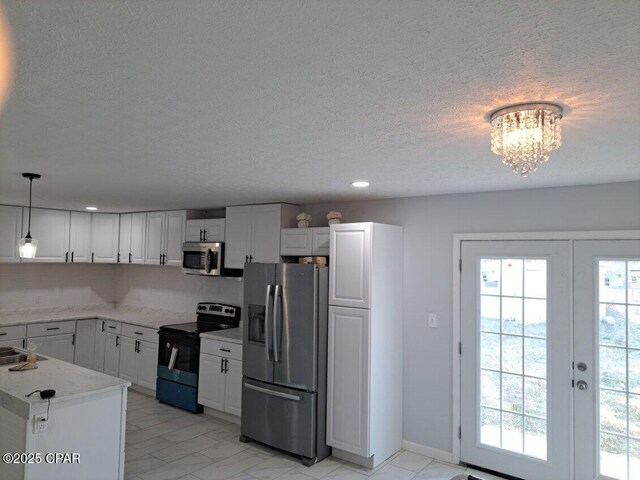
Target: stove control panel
217,309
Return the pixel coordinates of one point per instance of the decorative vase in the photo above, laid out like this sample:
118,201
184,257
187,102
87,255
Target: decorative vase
334,221
303,223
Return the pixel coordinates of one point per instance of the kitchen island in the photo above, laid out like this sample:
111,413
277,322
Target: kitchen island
86,417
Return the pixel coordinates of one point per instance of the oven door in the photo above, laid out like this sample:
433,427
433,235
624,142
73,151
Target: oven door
184,368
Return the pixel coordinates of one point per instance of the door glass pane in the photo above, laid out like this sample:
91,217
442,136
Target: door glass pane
513,355
619,367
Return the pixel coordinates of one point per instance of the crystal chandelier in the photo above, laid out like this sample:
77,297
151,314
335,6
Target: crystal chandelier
525,134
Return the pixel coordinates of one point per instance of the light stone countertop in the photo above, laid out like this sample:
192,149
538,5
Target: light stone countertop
68,380
144,317
231,335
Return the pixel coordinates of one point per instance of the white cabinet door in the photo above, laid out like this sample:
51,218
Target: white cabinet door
321,241
296,241
104,237
100,339
147,364
17,342
128,360
213,229
138,237
211,382
51,229
265,234
56,346
155,229
10,231
85,343
194,231
80,237
111,354
124,244
174,237
348,380
237,236
233,387
349,271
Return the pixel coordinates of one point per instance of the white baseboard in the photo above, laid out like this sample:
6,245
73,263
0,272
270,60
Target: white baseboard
434,453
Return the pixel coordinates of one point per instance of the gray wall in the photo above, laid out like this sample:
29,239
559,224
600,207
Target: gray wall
429,224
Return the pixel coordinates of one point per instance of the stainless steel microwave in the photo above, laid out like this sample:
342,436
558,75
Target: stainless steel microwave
203,258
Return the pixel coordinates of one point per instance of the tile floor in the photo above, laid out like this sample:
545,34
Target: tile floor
164,443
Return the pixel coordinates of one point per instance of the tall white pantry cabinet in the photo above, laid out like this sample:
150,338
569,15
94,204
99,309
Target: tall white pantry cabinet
364,378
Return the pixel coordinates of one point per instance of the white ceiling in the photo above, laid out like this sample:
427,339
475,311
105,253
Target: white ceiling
151,104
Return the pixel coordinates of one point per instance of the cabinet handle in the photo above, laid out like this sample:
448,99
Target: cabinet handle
73,339
129,258
112,327
24,343
73,253
226,365
225,350
201,235
222,365
118,259
250,258
138,333
92,254
53,328
66,257
103,325
204,235
137,346
117,340
2,334
246,259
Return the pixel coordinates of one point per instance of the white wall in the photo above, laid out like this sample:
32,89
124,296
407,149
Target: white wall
167,288
38,285
429,224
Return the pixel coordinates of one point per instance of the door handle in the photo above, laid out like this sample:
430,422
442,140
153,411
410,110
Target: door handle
582,366
275,336
273,393
582,385
207,261
267,337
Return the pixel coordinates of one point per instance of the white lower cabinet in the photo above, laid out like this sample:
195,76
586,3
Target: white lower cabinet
56,346
220,378
139,355
112,354
85,342
14,336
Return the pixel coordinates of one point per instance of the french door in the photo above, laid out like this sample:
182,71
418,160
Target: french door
550,366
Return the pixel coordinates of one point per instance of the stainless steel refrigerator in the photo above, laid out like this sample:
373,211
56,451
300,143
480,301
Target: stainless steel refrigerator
285,358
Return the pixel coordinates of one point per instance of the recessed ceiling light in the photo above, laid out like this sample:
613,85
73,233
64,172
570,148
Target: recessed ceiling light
360,184
91,208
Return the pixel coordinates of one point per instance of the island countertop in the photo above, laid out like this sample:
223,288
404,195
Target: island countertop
68,380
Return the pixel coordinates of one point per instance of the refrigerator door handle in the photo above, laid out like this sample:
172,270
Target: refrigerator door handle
288,396
276,339
267,337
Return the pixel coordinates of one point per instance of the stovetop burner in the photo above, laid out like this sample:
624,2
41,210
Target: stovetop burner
211,317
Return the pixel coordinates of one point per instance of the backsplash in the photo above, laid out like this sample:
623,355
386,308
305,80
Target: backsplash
56,285
167,288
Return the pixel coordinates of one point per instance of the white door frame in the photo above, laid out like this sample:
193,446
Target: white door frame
458,238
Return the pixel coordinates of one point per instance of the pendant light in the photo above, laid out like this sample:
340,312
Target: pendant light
28,245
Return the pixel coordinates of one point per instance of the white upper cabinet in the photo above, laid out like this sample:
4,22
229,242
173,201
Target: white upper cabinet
253,233
51,229
104,237
165,236
138,237
206,230
124,244
155,229
176,223
304,241
10,230
80,237
349,275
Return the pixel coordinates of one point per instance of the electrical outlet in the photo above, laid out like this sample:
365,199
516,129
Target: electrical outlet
39,424
433,320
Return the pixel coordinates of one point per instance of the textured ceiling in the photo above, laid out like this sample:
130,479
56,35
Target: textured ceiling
151,104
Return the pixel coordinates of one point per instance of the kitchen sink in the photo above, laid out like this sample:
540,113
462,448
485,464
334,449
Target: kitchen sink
10,356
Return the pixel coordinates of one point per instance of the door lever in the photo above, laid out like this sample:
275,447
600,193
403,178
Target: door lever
267,337
275,335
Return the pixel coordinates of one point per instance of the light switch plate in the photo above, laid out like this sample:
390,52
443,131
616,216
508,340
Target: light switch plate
433,320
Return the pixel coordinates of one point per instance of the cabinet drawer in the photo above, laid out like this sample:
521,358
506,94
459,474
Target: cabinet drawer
111,326
222,349
140,333
13,333
51,328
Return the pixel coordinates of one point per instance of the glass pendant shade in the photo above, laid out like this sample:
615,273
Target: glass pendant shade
28,247
525,134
